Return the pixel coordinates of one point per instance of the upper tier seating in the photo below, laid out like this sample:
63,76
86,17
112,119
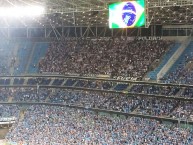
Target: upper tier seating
109,56
24,51
39,52
153,74
180,71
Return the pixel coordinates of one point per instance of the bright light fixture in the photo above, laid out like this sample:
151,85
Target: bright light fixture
21,11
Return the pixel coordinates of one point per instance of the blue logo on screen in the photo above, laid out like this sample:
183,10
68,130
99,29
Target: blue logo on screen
129,14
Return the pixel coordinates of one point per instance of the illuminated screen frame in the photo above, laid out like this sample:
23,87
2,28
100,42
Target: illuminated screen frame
129,14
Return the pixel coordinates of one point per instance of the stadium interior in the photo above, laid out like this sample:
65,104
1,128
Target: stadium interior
66,78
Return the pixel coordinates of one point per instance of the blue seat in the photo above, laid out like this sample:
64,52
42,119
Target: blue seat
181,61
39,52
153,74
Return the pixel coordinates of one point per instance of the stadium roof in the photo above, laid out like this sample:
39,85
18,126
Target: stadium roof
95,12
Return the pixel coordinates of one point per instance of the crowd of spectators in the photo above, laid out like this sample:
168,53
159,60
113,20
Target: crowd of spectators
121,103
54,125
7,56
115,57
56,54
5,63
107,56
29,94
183,112
99,100
157,107
5,93
7,111
4,69
187,92
46,125
183,74
109,101
158,90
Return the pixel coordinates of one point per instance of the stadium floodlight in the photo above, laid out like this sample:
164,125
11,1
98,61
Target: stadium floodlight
21,11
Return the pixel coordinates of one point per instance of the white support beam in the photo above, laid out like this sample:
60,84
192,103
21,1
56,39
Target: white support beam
169,3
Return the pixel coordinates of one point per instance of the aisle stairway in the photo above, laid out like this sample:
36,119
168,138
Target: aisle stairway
15,51
6,51
30,57
22,114
23,54
181,61
153,74
10,99
174,59
39,51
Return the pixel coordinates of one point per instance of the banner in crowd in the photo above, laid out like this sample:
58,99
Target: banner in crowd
72,74
103,76
7,120
15,143
150,38
6,123
3,119
50,73
125,78
96,76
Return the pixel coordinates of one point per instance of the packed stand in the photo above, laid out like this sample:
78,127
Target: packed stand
95,84
156,107
152,89
98,100
182,70
5,94
187,93
107,56
29,94
108,101
121,103
46,125
5,63
180,76
56,54
183,112
8,59
9,111
115,102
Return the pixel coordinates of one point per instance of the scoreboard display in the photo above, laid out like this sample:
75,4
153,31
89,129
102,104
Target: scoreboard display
130,14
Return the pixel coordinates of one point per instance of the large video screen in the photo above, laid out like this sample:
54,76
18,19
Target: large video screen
129,14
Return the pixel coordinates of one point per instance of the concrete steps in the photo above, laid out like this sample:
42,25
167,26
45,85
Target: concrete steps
174,59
